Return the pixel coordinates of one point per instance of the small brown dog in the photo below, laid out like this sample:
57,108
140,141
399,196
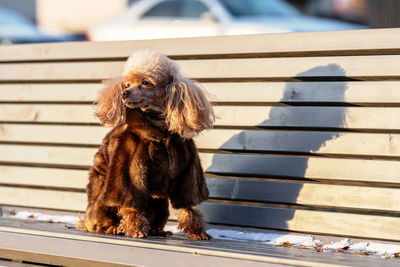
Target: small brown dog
149,156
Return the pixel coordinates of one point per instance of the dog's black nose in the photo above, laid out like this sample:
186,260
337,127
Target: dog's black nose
125,94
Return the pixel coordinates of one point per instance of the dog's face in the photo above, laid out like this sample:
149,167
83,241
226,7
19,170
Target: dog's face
144,92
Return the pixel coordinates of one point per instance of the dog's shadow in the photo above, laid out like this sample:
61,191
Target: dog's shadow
273,157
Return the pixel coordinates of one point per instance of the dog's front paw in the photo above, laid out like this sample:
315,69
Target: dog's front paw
135,225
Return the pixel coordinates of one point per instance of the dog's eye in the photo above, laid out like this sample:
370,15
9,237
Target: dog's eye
145,82
127,85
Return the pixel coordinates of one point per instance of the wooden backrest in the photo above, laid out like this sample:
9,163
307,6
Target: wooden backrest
307,139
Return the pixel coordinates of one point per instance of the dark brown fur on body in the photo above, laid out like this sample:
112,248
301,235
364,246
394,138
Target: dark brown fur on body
143,162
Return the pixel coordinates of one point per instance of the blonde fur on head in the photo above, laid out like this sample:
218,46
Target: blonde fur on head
109,107
187,109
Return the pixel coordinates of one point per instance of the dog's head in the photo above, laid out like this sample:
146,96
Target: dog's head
153,83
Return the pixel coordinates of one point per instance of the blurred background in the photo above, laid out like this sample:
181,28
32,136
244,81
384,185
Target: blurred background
31,21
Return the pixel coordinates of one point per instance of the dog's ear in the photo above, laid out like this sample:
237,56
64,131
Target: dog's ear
109,107
188,109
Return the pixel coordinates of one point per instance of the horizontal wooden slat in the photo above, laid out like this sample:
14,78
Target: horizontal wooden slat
73,92
226,45
310,92
48,177
48,113
334,143
314,168
317,222
326,117
380,227
47,154
60,134
38,198
356,197
238,164
375,118
382,92
358,66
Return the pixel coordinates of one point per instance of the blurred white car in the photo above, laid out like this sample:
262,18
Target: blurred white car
150,19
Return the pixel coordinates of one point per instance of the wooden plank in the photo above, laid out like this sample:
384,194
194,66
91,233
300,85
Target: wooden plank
316,222
381,92
48,113
371,118
344,224
49,92
68,247
38,198
265,141
329,143
365,118
49,177
314,168
314,92
348,66
308,194
60,134
47,154
357,197
225,45
237,164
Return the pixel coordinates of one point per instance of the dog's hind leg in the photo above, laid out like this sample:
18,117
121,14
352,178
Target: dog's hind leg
192,223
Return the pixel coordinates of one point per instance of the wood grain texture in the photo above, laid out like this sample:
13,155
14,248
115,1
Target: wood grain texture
225,45
317,222
372,118
226,164
74,92
381,92
309,92
348,66
307,194
263,141
39,198
47,177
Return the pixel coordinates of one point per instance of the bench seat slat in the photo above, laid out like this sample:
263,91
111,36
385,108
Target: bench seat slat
371,118
243,92
328,67
223,45
317,222
264,141
385,171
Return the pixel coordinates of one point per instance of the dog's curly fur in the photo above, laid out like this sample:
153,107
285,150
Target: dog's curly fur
149,156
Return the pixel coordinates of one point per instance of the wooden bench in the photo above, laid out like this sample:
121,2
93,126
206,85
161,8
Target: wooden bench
307,141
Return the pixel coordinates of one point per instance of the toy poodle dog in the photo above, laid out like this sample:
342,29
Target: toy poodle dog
149,156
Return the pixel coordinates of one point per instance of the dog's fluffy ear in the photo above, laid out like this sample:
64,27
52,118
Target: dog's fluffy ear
188,109
109,107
